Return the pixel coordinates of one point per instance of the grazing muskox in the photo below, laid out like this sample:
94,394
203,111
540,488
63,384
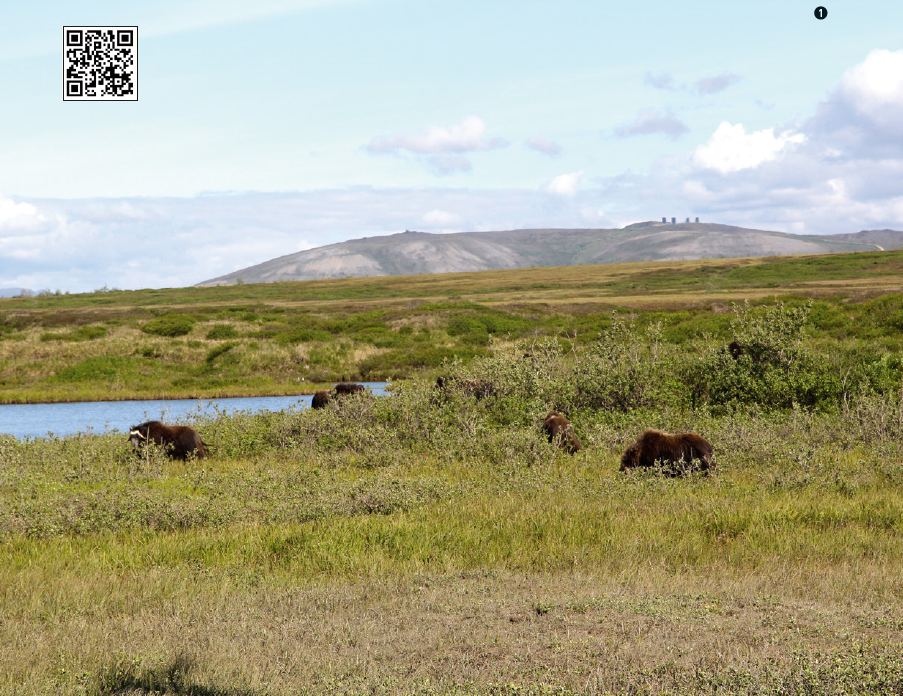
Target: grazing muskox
560,431
178,440
678,451
320,400
345,388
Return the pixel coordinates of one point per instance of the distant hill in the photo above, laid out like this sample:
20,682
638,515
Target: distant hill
412,253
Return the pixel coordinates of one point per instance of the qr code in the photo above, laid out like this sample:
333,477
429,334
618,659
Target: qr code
100,63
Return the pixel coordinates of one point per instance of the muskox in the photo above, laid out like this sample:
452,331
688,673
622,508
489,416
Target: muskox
676,451
735,349
345,388
320,400
560,431
179,441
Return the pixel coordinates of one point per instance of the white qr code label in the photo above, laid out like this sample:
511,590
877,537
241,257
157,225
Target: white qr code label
100,63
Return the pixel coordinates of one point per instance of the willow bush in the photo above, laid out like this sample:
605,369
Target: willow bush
773,367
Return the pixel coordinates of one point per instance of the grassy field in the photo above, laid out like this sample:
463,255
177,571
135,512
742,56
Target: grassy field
436,543
292,338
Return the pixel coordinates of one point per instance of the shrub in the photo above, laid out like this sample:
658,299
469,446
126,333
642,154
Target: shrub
774,370
171,325
297,335
624,370
82,333
104,368
222,331
218,351
401,361
465,325
382,337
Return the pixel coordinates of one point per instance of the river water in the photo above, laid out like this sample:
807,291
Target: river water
42,420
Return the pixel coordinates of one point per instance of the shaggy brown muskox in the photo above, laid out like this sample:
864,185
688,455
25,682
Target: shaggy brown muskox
345,388
678,450
178,440
560,430
320,400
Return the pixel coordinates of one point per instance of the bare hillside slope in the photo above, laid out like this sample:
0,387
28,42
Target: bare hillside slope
411,253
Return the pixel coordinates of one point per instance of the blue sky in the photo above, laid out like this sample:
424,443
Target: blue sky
267,127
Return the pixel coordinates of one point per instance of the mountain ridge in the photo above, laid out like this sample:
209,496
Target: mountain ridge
413,252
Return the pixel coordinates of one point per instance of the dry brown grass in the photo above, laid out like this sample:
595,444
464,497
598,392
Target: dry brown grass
588,633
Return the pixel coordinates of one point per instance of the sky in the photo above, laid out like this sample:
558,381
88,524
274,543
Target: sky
265,127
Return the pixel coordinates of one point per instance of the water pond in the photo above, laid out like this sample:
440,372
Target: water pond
42,420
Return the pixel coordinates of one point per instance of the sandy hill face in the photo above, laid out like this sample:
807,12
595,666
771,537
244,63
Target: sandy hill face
412,253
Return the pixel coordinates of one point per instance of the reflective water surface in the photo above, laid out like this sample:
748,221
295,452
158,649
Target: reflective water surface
39,420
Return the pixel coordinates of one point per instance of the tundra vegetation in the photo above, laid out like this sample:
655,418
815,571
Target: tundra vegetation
438,543
298,337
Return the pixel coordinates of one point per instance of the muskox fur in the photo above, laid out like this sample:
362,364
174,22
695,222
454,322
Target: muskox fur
756,353
560,431
345,388
320,400
676,451
179,441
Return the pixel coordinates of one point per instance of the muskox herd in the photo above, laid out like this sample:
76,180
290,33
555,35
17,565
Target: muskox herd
677,453
322,398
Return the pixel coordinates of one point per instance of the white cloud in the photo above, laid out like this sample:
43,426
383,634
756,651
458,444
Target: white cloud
168,242
875,86
543,145
651,121
440,149
565,184
468,136
441,218
836,171
14,214
731,149
595,217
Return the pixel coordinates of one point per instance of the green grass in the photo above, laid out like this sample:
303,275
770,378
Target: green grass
435,543
286,336
317,533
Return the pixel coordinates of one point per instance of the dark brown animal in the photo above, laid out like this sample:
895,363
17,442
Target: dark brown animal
560,431
345,388
677,451
735,349
179,441
320,400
